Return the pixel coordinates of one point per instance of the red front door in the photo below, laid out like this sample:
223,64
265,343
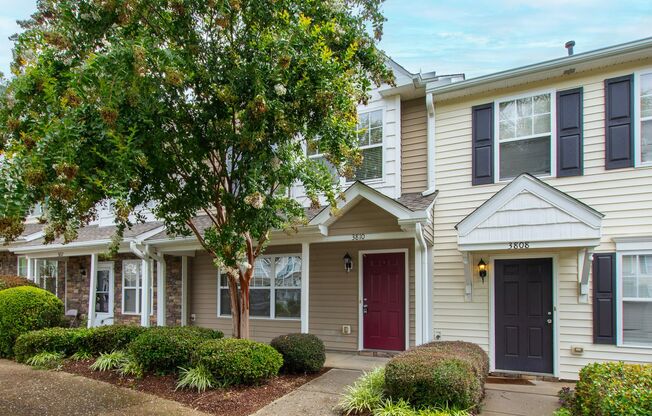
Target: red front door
383,293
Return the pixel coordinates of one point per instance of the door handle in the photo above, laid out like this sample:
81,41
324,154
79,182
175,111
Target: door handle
549,321
364,309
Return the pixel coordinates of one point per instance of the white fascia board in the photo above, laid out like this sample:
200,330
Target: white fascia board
641,243
527,183
636,49
34,236
533,245
147,234
71,249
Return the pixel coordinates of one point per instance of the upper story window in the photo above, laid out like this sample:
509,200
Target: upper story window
370,142
636,274
646,117
525,136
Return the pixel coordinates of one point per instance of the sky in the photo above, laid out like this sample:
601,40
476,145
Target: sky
474,37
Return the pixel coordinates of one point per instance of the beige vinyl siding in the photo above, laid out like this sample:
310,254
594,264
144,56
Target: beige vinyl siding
334,293
203,300
623,195
365,217
414,148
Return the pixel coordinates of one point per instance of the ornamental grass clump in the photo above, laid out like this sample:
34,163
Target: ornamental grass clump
365,395
195,378
45,360
109,361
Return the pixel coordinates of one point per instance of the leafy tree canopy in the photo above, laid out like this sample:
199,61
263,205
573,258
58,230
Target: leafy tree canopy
186,107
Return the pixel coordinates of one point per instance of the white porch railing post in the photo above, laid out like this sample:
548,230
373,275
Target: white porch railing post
305,279
161,296
184,290
92,291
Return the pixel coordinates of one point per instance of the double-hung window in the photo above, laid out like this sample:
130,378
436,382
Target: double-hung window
132,288
46,274
370,141
636,307
645,127
22,266
274,291
525,136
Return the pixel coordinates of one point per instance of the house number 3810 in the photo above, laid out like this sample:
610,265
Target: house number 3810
519,244
358,236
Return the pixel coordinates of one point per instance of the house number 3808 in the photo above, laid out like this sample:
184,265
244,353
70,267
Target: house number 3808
358,236
519,244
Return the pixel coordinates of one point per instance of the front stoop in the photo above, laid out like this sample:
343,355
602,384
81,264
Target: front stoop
537,399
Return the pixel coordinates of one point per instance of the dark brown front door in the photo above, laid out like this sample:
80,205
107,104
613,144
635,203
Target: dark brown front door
384,301
523,315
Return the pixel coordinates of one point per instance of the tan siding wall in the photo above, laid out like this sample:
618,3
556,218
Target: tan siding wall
365,217
334,293
203,301
414,149
623,195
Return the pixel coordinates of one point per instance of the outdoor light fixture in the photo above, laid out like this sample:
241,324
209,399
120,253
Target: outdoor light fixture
348,262
82,271
482,270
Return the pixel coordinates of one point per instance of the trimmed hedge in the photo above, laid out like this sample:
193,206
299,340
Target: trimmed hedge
165,349
23,309
66,341
109,338
439,374
613,389
238,361
7,282
302,353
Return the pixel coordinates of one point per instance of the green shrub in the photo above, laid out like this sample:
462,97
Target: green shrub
66,341
165,349
438,374
7,282
24,309
111,338
614,389
302,353
238,361
365,395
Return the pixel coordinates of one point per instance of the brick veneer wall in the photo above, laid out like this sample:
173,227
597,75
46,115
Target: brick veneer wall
8,263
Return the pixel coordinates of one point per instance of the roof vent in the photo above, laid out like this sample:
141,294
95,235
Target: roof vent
569,45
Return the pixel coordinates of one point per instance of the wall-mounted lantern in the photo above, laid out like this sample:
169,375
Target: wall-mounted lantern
82,271
348,262
482,270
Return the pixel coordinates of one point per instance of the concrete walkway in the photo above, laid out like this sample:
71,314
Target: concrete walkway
26,391
353,361
539,399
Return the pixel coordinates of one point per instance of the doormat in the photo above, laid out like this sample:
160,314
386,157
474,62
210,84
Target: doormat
509,380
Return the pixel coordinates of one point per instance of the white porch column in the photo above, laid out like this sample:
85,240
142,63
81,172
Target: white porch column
184,290
305,277
418,293
146,287
161,295
92,290
30,268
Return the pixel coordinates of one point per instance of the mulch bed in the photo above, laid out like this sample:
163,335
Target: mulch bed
235,401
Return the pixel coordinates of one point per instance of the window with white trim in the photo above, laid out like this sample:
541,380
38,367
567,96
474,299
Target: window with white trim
645,94
636,307
132,288
370,142
276,277
524,136
46,274
21,268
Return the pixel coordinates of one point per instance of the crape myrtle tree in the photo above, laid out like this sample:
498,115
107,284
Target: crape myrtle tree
186,107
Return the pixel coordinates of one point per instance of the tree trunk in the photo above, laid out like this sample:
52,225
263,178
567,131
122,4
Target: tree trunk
235,306
244,312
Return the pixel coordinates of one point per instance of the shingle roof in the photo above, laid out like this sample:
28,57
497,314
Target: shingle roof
95,232
415,201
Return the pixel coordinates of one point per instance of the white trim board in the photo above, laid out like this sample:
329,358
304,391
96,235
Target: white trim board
406,252
555,303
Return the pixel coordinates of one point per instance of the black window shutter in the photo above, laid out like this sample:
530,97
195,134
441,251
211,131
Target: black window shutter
619,104
483,144
570,158
604,298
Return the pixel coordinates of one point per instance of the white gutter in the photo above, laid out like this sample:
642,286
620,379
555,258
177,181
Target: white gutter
602,53
430,140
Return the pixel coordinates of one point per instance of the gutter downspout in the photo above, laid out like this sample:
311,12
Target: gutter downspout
430,143
421,289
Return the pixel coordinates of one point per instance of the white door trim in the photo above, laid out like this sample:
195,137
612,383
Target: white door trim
406,252
555,313
106,318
